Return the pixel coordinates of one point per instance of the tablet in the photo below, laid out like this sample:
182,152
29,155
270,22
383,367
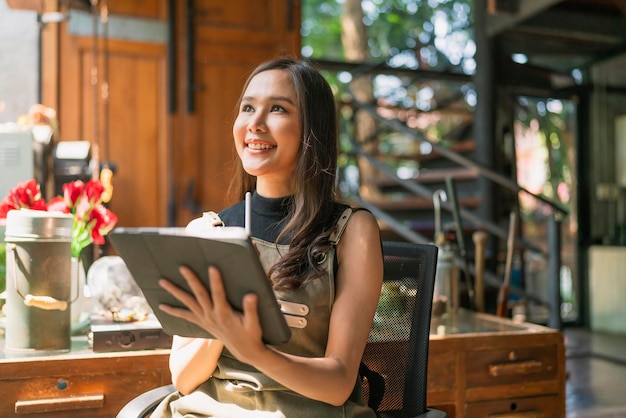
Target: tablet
154,253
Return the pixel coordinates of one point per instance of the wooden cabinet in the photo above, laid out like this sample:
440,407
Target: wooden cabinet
480,366
80,383
533,407
484,366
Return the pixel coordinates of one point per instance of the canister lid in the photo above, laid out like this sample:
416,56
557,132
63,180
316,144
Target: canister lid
27,224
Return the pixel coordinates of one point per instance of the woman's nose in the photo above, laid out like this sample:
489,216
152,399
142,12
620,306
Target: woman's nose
257,123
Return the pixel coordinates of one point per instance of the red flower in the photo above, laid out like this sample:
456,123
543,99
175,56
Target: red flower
93,191
72,192
104,221
92,220
25,195
58,204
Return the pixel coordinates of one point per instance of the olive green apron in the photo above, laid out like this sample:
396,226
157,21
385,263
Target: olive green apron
238,390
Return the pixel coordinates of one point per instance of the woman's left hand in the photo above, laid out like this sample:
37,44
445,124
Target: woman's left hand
210,310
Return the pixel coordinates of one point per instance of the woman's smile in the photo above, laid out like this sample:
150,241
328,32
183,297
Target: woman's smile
259,146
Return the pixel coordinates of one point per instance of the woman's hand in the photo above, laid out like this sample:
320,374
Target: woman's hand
209,308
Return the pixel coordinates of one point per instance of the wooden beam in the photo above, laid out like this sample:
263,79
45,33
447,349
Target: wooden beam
563,24
34,5
502,6
526,8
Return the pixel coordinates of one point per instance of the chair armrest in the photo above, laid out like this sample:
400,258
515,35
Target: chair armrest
433,413
139,406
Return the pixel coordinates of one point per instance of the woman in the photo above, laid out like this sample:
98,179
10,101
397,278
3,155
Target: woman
316,251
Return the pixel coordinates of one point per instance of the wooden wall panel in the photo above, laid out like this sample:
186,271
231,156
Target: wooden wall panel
134,135
231,39
222,79
171,165
69,87
149,9
243,22
137,139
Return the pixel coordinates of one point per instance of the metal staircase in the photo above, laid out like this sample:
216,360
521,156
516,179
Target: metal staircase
420,152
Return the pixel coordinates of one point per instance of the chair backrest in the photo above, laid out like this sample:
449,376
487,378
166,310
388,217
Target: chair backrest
395,362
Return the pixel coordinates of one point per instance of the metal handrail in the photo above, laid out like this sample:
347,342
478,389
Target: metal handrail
459,159
425,192
558,210
360,69
412,236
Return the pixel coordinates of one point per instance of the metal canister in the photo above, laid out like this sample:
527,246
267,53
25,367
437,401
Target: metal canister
38,259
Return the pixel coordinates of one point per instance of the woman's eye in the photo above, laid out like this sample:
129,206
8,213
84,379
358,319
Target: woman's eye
246,108
277,108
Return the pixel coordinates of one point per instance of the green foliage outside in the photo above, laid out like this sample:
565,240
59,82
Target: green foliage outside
433,36
552,121
425,34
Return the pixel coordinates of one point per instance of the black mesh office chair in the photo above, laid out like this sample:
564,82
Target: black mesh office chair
395,362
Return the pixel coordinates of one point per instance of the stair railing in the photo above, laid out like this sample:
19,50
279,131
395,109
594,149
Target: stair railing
557,210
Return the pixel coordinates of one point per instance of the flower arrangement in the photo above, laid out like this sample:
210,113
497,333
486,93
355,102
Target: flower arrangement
92,220
24,195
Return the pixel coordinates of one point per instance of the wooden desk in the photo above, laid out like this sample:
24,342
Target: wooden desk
77,384
480,366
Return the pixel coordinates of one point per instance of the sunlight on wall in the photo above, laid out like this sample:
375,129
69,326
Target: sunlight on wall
18,61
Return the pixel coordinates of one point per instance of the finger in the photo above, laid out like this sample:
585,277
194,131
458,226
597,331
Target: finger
180,294
251,313
179,312
198,288
218,293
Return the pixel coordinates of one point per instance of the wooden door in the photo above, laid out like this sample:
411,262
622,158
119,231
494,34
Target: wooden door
133,136
231,39
170,142
118,104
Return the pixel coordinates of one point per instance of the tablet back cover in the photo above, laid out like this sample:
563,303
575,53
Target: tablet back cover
154,253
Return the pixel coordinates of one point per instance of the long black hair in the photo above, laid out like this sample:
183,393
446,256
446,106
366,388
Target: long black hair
310,221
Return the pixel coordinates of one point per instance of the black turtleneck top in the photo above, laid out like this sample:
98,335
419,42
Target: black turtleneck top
269,216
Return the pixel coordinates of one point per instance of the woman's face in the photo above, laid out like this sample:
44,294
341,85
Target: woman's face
267,131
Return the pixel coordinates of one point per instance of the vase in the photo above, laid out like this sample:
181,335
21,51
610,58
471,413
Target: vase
81,300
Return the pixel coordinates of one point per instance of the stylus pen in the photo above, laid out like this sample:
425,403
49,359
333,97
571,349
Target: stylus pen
247,224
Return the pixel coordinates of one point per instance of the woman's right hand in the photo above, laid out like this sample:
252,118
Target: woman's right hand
210,310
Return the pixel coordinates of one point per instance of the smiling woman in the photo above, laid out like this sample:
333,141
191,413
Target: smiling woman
319,254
